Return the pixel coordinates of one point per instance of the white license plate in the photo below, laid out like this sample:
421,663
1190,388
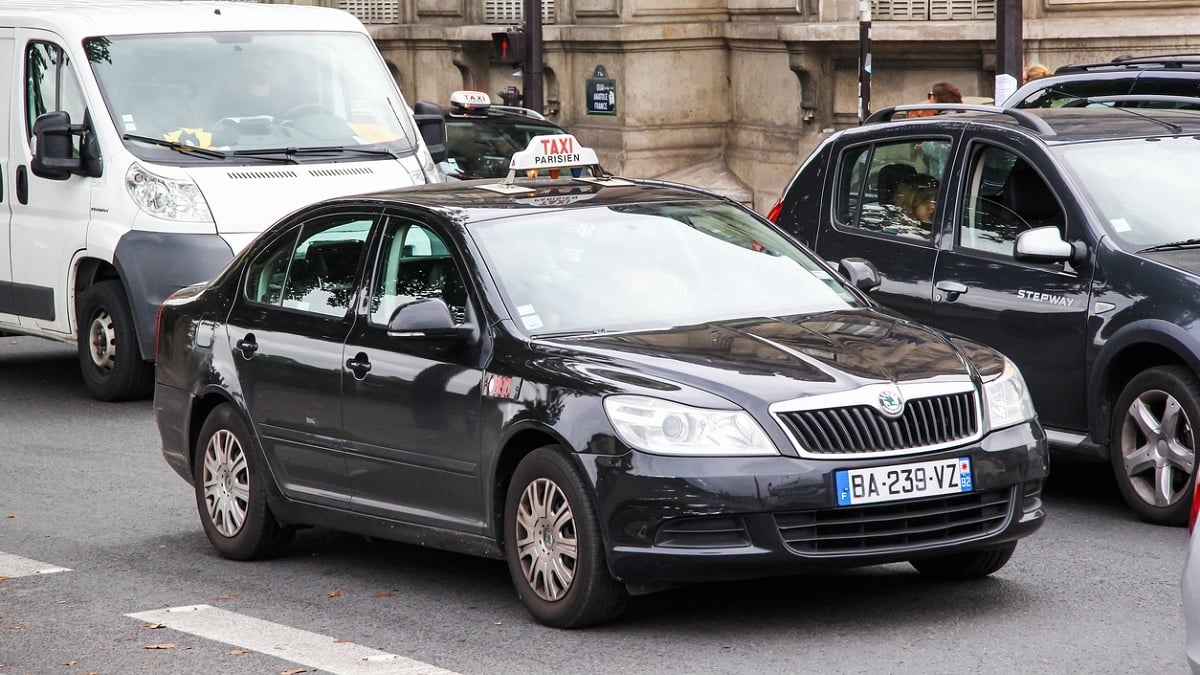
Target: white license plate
903,481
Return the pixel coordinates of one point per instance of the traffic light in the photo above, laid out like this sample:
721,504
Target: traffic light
509,46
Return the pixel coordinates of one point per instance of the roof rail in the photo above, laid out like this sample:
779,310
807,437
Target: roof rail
1023,117
1193,101
1127,62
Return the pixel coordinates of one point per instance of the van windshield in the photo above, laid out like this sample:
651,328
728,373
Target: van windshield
250,91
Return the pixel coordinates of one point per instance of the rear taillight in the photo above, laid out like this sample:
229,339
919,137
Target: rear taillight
773,214
1195,507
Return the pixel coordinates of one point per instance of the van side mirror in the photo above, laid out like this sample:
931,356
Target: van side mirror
55,157
1046,245
860,273
432,123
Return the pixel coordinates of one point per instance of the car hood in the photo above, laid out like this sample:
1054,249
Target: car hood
761,360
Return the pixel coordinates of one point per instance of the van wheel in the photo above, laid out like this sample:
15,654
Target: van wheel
231,493
109,357
1153,443
553,545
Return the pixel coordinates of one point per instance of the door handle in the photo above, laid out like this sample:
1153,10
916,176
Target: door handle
952,289
22,185
247,345
360,365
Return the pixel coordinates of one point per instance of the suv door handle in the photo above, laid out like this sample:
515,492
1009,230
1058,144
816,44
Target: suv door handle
360,365
247,345
952,289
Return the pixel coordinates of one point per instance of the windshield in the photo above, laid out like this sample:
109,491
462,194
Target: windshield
1149,195
248,91
647,266
482,147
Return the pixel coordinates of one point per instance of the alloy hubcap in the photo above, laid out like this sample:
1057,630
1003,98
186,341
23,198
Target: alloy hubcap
226,483
546,542
1158,448
103,341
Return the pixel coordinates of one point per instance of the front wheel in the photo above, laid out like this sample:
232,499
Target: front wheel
230,492
1153,443
553,545
109,356
964,566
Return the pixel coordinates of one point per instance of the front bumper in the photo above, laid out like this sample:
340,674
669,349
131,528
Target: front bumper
676,520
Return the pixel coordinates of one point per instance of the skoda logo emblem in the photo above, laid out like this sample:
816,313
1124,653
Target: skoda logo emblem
890,402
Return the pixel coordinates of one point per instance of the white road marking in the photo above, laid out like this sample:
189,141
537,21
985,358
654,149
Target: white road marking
12,566
290,644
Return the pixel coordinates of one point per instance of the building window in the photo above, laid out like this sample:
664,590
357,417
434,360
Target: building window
932,10
373,11
511,12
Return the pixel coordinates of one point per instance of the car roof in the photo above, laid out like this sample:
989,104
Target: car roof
1061,125
129,17
1117,77
543,194
503,114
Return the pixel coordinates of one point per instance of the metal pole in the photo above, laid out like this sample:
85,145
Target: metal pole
864,60
1009,48
531,70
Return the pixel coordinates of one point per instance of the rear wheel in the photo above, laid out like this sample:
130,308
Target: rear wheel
230,491
553,545
963,566
109,356
1153,443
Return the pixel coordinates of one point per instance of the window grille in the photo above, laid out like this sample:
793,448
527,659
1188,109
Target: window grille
932,10
511,12
373,11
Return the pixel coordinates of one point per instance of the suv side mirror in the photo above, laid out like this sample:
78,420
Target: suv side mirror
432,124
860,273
55,156
1046,245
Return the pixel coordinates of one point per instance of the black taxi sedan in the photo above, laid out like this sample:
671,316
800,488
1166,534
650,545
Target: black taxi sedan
615,386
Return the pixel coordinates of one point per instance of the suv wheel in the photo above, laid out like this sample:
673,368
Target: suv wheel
1153,443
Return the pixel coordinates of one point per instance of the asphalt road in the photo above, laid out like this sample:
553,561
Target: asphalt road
83,487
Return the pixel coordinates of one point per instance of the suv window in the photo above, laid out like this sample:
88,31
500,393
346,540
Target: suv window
892,187
1005,196
314,271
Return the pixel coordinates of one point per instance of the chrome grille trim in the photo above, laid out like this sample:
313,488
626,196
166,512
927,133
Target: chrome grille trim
852,424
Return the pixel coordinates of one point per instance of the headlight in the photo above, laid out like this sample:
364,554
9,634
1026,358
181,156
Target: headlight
1007,399
667,428
166,198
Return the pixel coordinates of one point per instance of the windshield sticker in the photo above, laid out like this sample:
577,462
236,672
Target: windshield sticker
127,120
1120,224
532,322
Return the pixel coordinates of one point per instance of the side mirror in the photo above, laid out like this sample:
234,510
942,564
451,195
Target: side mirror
1046,245
55,157
426,318
432,124
860,273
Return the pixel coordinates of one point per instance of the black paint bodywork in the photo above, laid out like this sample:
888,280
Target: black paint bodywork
1131,310
421,449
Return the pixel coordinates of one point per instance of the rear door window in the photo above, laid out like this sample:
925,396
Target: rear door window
892,188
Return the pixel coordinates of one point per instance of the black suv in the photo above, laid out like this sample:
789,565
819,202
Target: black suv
1163,74
1067,238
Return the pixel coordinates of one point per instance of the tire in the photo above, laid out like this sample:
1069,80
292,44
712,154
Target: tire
109,356
558,568
1153,443
230,491
964,566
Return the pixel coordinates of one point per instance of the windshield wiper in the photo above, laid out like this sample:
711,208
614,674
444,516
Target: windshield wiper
568,333
291,153
176,146
1182,243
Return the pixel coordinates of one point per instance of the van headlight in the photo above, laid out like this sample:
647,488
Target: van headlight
1007,399
668,428
166,198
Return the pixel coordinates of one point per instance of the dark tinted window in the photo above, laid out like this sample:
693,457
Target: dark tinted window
482,147
313,271
892,187
414,264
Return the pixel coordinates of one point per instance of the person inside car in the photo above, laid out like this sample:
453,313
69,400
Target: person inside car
915,201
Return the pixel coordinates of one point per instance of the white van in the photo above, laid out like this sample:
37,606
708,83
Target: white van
143,143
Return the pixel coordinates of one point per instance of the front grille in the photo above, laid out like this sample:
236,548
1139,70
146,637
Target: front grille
884,527
853,429
709,532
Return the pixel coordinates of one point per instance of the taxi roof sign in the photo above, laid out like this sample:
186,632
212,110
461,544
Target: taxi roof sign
553,153
470,100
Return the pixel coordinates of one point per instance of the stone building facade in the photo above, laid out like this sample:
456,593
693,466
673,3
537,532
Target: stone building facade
734,94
